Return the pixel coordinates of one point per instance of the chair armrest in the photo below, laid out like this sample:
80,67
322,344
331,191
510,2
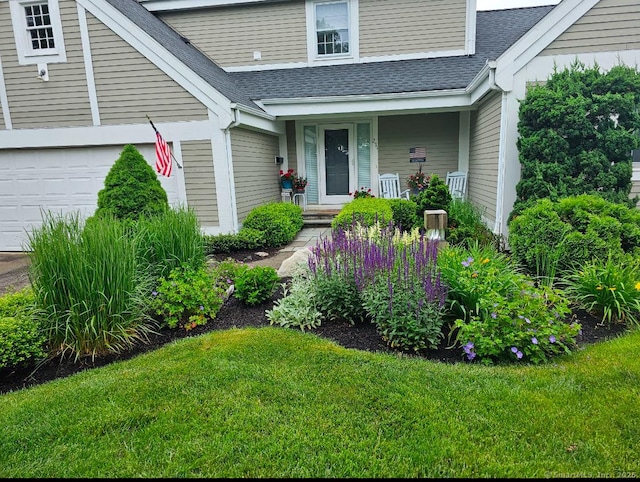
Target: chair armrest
406,194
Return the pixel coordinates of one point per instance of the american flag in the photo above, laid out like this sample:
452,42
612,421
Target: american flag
417,152
163,154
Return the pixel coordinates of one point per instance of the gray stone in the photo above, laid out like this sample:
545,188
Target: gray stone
293,262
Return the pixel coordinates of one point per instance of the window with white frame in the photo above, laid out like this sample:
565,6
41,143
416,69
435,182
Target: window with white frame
332,31
332,28
37,30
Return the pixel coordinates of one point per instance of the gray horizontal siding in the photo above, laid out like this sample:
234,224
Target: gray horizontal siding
437,132
484,148
611,25
200,181
255,172
231,35
410,26
130,87
63,100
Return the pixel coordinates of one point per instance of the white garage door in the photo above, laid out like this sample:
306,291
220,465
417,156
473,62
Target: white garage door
57,180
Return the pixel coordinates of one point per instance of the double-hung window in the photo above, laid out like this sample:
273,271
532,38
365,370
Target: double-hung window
37,30
332,31
332,28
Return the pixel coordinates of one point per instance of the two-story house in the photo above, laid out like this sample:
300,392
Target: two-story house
339,90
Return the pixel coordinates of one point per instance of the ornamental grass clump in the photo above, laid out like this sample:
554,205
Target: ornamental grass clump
365,274
89,286
501,314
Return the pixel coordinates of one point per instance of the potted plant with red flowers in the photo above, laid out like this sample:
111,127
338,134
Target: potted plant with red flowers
286,179
299,183
418,181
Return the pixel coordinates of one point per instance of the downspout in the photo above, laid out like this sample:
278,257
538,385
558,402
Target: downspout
492,75
232,187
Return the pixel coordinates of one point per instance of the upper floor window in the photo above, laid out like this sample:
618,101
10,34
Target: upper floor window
332,28
332,31
37,30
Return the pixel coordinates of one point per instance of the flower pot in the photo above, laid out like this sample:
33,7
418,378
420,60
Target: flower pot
299,190
287,184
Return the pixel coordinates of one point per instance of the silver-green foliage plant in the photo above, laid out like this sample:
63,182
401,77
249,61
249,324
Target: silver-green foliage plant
89,288
298,306
21,341
608,288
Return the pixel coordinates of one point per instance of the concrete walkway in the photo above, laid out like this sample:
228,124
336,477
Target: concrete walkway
14,265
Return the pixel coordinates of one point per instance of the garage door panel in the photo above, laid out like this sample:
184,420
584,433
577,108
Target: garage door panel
60,181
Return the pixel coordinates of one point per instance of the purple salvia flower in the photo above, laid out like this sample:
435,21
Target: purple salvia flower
154,293
514,349
552,339
519,354
534,340
494,315
471,355
468,347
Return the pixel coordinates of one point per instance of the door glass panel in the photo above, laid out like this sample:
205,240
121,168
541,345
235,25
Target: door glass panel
336,154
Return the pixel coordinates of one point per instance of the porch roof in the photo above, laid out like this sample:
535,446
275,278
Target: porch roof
496,31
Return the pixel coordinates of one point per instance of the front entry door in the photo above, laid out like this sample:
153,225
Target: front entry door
337,164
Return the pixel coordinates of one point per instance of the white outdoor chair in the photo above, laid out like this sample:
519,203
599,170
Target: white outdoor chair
457,184
390,187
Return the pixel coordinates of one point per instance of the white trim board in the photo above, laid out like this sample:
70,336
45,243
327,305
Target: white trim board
4,100
563,16
88,65
103,135
159,56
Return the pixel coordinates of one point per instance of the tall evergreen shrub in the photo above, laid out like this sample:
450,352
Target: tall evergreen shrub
577,132
131,188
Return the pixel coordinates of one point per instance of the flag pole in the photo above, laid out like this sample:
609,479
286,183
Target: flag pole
172,156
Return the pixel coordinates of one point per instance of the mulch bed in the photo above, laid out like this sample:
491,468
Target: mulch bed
361,336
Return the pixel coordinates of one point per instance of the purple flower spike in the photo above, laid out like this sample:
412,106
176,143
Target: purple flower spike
534,340
514,349
552,339
519,354
471,355
468,347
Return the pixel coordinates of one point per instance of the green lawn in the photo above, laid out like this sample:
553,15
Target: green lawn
274,402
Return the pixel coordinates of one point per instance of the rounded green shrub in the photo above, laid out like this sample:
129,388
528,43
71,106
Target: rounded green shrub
131,188
255,285
577,229
279,222
435,196
21,341
365,211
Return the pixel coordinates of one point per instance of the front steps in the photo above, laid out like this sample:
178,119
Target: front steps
319,216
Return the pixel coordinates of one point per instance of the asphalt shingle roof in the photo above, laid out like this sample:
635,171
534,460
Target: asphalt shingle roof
496,31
